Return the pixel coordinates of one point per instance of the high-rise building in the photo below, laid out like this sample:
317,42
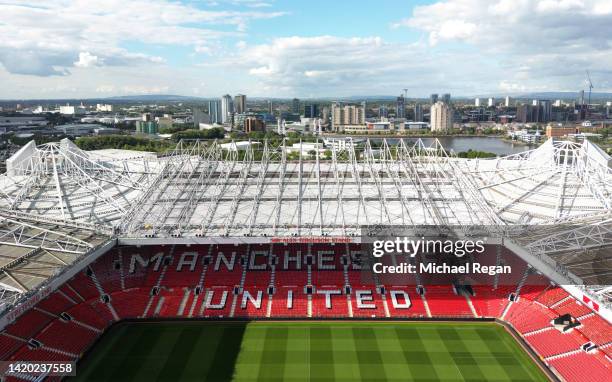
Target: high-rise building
441,117
337,117
270,110
491,102
311,110
227,108
347,115
354,115
253,123
581,98
433,99
325,114
507,101
418,112
400,107
383,111
146,127
295,106
541,112
200,116
477,102
446,98
524,113
240,103
479,114
215,111
545,107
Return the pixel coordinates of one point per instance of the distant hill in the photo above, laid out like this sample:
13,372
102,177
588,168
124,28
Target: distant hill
567,95
551,95
130,98
153,98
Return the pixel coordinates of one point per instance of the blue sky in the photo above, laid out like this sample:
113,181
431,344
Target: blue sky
283,48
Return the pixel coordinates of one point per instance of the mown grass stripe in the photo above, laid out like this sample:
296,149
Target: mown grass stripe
200,360
415,355
228,347
308,351
368,354
182,348
525,368
273,353
462,356
136,356
321,354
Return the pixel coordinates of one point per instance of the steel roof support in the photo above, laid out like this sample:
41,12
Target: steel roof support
219,189
261,182
216,192
281,187
58,186
339,187
299,196
357,179
175,187
197,190
525,194
394,175
369,159
30,236
411,172
240,185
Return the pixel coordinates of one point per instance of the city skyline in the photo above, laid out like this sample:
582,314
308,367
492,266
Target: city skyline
282,49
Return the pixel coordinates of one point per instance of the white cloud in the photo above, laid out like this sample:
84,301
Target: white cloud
551,41
453,29
512,87
56,35
559,5
86,60
35,62
465,47
314,73
105,89
140,89
330,65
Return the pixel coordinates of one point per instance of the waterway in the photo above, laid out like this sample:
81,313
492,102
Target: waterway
494,145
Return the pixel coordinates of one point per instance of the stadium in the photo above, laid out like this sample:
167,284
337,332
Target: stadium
244,262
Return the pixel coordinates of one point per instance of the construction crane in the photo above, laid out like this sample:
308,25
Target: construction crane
588,81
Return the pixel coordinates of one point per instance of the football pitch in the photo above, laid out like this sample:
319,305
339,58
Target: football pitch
308,351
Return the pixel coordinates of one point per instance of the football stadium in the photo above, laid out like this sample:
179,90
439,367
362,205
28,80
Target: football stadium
243,261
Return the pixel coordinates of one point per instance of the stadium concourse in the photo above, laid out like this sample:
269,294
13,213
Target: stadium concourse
91,238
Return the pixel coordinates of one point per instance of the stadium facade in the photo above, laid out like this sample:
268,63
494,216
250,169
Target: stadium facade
62,209
58,203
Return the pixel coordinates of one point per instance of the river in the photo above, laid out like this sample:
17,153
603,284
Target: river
489,144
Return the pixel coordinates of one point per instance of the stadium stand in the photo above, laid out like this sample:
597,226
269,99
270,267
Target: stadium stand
228,281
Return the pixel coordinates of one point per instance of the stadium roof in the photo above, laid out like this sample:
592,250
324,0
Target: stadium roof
66,198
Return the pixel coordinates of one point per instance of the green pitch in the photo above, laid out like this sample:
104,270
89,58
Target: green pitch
308,351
